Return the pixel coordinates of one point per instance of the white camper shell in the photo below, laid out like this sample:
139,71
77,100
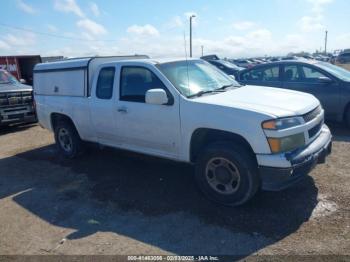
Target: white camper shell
71,77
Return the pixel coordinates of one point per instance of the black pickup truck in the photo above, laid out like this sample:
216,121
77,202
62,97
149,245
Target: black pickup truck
16,101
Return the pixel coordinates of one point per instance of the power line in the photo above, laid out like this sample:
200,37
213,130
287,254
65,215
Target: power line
53,35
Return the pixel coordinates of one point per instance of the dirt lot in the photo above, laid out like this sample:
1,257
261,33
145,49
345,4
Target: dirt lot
113,202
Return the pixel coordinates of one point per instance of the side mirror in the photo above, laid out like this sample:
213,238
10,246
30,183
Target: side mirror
324,79
156,97
22,81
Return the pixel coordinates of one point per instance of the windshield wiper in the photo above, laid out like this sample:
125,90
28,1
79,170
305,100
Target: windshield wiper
204,92
224,87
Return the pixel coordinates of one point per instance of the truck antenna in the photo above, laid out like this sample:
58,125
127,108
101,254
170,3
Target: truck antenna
188,76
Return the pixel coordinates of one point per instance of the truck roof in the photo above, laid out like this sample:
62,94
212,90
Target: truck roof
85,62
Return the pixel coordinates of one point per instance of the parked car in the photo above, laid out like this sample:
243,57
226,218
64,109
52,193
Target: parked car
16,101
274,59
289,58
243,63
323,58
329,83
343,58
239,138
226,67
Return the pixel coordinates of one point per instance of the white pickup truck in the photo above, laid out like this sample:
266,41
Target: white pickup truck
240,138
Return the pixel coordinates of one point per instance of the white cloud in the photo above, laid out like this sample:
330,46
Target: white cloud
173,23
4,45
26,7
261,34
91,27
94,9
318,5
68,6
314,21
342,41
24,39
52,28
145,30
311,23
243,25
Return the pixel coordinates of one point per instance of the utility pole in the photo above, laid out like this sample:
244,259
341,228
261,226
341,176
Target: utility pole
202,50
191,17
325,42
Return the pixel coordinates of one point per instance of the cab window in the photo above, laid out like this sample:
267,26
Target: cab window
105,81
136,81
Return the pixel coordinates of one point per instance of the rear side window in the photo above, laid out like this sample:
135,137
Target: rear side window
291,73
104,88
266,74
136,81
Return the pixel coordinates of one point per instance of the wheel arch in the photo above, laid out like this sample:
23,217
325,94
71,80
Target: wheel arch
202,137
57,117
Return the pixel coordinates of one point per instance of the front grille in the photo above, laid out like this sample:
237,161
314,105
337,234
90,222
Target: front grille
312,114
313,131
16,98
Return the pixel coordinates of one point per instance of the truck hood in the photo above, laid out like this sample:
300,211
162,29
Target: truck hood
14,87
272,101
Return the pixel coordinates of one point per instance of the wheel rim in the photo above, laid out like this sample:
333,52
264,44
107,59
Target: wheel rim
222,175
65,140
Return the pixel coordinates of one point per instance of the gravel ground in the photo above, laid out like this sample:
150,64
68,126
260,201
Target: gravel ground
114,202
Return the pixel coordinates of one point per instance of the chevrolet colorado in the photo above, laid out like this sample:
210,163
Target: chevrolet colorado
240,138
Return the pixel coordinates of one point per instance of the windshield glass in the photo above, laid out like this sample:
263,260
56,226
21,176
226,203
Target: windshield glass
7,78
195,76
337,71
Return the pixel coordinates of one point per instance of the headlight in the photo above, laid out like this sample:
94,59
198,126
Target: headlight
283,123
287,143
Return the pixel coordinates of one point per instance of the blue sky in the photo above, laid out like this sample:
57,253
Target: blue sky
230,28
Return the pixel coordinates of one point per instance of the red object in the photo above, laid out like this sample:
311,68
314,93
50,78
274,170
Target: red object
10,64
20,67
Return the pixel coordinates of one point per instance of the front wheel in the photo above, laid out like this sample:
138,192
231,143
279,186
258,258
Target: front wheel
227,173
68,140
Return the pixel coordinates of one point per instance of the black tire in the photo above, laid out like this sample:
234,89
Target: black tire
238,159
71,137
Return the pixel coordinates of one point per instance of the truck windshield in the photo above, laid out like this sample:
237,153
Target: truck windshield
7,78
195,76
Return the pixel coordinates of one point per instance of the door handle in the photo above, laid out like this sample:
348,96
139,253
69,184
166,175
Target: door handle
122,110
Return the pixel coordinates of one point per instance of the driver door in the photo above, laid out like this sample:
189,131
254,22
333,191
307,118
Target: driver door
142,127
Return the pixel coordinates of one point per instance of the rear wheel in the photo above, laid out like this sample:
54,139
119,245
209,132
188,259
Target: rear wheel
68,140
227,173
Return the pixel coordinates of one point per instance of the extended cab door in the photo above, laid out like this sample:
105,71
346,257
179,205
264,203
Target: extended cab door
142,127
309,79
102,105
267,75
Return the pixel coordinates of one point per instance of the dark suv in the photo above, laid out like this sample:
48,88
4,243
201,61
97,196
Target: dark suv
343,58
